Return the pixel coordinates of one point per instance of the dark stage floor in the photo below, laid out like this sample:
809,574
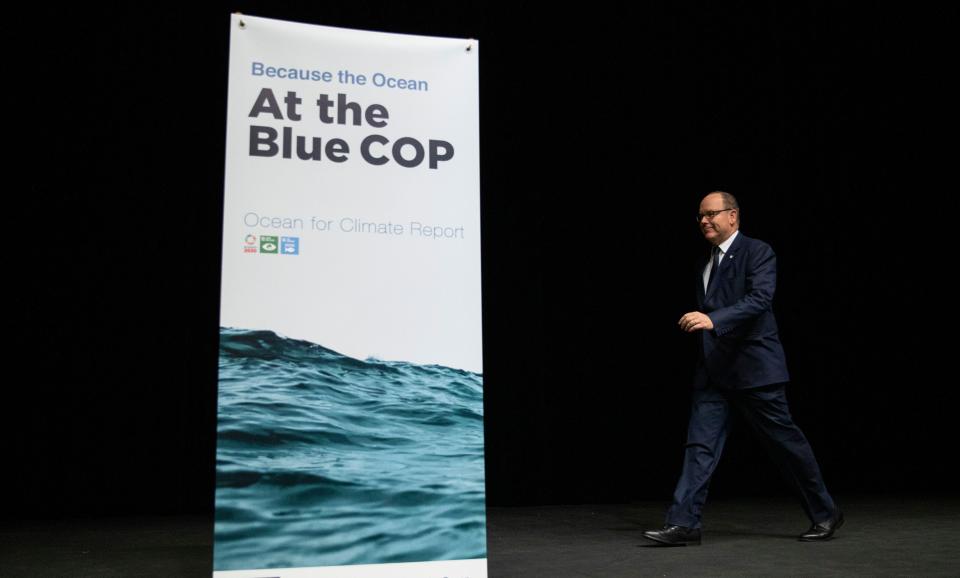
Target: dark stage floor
883,536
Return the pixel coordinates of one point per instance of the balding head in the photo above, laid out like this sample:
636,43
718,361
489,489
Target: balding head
719,216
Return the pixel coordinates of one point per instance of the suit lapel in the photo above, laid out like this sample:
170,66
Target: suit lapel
725,264
701,297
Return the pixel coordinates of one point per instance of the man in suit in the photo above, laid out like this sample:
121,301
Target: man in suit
742,365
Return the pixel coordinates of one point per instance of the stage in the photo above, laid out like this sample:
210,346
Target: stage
883,536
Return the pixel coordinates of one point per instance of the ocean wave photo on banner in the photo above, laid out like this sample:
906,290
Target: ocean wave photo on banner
325,460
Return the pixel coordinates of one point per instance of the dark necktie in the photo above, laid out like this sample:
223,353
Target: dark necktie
715,268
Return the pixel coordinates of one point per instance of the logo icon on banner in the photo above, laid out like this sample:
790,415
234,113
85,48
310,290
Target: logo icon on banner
289,245
250,244
268,244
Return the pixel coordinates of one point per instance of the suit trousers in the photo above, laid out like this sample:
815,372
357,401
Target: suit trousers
766,411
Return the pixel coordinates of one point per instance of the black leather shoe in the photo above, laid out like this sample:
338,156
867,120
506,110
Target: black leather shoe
823,530
674,536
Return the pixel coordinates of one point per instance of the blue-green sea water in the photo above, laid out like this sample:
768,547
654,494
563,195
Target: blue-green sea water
325,460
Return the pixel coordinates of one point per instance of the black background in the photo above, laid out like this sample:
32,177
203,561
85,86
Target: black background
601,129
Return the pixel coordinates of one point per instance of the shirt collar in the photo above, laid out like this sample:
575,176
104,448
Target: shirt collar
725,246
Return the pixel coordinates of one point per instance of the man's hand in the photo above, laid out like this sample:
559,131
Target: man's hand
695,321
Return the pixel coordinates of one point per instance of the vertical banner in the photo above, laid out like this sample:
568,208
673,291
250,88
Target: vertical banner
350,416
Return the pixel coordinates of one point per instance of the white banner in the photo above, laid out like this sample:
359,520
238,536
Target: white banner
350,425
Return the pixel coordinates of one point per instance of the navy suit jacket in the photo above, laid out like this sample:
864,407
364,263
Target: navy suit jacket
743,349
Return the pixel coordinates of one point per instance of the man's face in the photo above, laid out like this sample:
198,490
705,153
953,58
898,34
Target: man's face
718,228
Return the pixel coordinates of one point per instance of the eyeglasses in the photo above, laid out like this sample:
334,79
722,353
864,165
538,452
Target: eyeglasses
711,214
